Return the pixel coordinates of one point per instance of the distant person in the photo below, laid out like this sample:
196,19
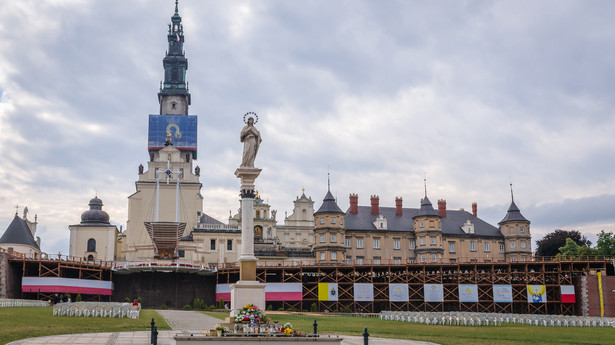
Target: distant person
135,303
56,299
64,298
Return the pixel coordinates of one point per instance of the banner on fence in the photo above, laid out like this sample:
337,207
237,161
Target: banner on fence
536,294
66,285
273,292
398,293
363,292
502,294
433,292
567,294
468,293
327,292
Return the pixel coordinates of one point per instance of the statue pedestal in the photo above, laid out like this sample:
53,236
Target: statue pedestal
247,292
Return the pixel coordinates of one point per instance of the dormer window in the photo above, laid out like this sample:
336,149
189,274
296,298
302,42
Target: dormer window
468,227
380,223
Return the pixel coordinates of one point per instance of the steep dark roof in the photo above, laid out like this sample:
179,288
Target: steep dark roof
329,205
363,220
206,219
513,214
426,209
18,232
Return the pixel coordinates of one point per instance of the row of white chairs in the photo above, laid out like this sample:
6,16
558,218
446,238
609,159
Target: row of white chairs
496,319
97,309
9,302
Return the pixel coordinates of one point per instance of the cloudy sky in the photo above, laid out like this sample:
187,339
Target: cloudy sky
470,94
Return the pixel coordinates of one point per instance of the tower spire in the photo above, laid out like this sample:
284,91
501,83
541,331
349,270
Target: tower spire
174,97
328,181
512,197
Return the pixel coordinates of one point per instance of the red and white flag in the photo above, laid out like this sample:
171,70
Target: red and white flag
567,293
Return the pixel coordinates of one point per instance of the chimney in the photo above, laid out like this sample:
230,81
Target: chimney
474,209
354,203
398,205
442,207
375,200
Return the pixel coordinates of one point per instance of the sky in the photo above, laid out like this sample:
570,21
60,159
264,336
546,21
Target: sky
469,95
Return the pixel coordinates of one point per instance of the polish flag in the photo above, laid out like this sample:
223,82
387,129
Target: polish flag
273,292
567,293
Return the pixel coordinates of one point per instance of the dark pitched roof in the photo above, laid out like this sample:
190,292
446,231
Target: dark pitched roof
363,220
18,232
329,205
206,219
426,209
513,214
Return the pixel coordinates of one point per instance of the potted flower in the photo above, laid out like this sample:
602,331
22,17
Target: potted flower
250,314
219,330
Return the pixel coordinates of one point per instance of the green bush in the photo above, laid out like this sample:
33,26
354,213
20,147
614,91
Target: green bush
78,298
280,309
314,307
221,303
291,309
347,309
336,311
211,307
139,299
198,304
164,306
270,307
69,296
187,307
127,299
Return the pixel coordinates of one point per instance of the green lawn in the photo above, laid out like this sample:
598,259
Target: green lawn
27,322
505,334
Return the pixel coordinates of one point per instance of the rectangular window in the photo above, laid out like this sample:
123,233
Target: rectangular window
486,246
451,247
433,241
322,238
513,259
473,246
332,220
412,244
212,244
395,244
433,258
376,243
348,261
359,260
522,229
333,238
347,243
421,224
513,244
422,241
376,260
333,255
229,244
397,261
501,248
181,253
322,220
322,256
422,257
522,244
359,243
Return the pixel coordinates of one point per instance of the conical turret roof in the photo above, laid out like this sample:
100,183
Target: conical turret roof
427,209
329,205
513,214
18,232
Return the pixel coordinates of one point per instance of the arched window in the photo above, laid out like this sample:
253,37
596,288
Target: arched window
90,258
91,245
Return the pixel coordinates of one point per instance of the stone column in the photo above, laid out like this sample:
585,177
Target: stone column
247,290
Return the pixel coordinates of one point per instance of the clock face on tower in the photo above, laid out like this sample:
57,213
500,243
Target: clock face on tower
168,172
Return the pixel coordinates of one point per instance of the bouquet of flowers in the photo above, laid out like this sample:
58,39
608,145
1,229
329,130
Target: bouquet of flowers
250,313
288,328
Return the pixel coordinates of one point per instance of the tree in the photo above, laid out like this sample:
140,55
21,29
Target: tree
606,243
571,248
550,244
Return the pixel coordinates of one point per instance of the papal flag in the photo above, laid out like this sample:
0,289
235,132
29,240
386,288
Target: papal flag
536,294
327,292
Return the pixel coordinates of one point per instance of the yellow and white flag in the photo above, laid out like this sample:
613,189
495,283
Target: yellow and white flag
327,292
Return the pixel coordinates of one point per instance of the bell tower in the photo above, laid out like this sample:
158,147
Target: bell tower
174,96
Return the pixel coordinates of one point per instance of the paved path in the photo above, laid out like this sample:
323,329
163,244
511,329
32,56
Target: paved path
180,321
185,320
